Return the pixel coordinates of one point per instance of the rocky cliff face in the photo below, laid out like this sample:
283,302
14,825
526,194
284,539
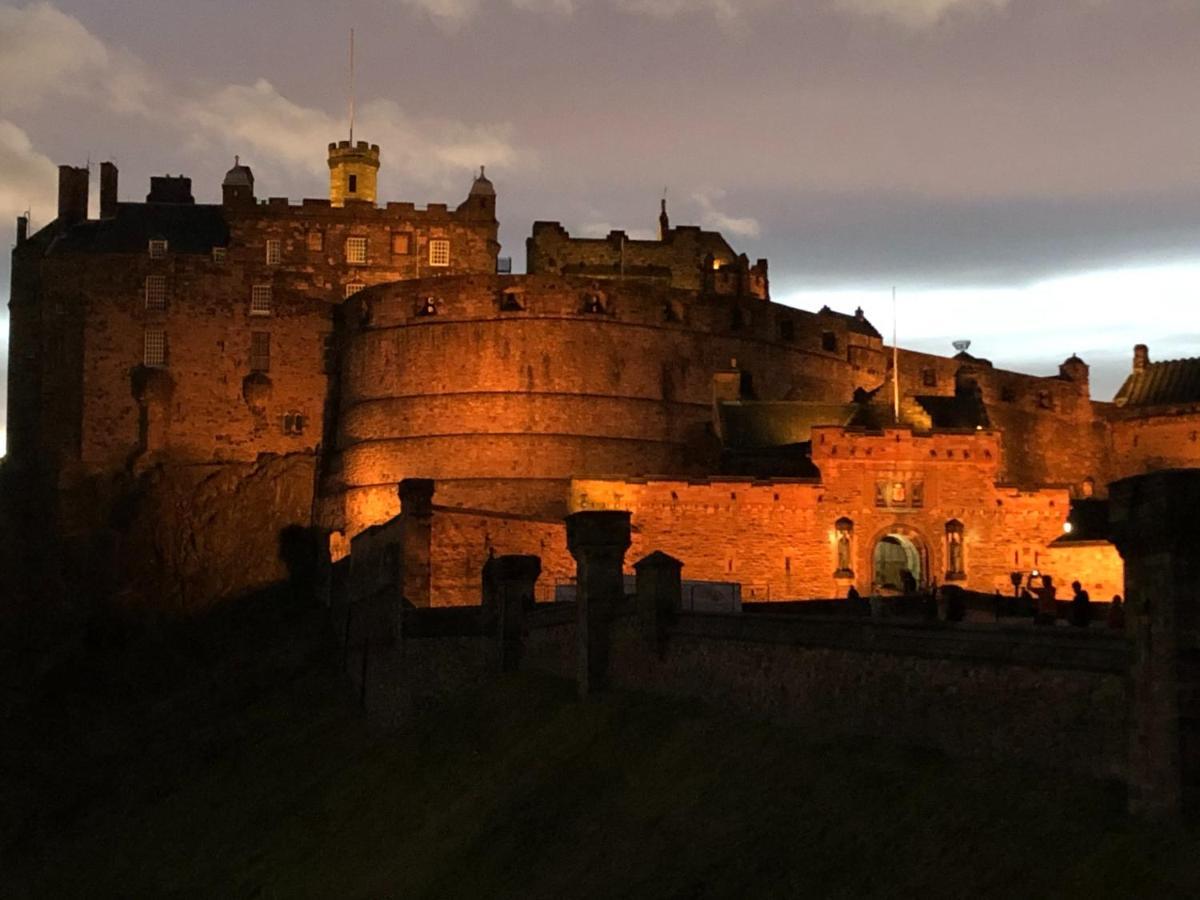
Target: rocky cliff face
187,537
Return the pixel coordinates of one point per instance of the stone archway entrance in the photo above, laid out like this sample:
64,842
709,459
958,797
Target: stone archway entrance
896,553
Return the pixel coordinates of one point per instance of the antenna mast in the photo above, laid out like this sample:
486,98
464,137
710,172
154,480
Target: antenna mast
895,363
351,87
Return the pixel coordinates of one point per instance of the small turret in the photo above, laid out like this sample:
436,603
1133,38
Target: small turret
1074,370
238,187
353,172
664,222
480,204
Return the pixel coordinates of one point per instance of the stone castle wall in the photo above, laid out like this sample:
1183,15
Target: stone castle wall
510,380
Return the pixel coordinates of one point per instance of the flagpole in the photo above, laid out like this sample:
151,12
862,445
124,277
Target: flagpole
895,363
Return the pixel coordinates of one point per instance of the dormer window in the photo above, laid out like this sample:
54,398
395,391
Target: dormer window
158,249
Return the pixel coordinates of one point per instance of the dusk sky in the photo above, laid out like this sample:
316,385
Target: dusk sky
1025,172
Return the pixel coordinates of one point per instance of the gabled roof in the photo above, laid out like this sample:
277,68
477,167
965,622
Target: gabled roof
187,228
1174,381
965,410
856,324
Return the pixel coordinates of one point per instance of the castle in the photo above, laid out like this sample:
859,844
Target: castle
187,381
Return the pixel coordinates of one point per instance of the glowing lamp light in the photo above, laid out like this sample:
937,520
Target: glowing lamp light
1068,527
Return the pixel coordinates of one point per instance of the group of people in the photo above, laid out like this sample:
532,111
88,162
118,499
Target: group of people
1045,602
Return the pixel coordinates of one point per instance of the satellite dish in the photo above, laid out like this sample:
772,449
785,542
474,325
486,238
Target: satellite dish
961,346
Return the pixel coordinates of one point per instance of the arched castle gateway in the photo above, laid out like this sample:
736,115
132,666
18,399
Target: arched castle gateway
247,365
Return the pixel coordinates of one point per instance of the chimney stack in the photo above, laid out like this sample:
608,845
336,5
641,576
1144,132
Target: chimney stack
22,229
108,190
1141,358
72,195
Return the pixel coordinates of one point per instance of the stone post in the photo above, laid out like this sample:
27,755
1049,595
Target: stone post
598,540
1155,523
416,508
659,597
514,578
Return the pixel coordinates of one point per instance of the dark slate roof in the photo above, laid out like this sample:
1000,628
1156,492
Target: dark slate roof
857,324
760,424
965,410
1175,381
187,228
1089,522
788,461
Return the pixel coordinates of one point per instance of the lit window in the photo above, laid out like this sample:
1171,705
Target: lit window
218,255
274,252
154,348
353,288
356,250
156,293
260,351
401,242
158,249
439,252
316,241
260,300
955,569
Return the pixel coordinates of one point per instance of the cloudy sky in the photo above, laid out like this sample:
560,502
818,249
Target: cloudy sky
1025,172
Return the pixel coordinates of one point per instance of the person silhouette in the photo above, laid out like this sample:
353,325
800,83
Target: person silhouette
1081,606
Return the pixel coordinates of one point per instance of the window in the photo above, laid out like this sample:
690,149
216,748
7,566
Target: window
328,353
1045,400
316,241
218,255
787,330
510,301
829,342
954,550
401,242
293,423
353,184
260,300
260,351
274,252
353,288
439,252
929,377
158,249
356,250
154,348
156,293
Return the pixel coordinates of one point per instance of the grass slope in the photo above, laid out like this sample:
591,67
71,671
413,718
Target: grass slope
226,759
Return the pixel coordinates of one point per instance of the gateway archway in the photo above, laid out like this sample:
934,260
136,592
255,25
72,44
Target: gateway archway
899,561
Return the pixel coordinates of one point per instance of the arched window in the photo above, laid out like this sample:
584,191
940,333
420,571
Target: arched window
845,535
955,566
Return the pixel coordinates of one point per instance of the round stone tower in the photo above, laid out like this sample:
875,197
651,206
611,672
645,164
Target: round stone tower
353,171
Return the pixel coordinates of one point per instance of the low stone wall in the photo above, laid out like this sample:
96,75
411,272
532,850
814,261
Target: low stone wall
550,640
1053,698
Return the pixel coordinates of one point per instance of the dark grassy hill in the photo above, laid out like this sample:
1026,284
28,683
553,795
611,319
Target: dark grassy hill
225,758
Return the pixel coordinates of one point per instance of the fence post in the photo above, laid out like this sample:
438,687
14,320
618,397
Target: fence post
416,508
515,577
659,597
1156,527
598,540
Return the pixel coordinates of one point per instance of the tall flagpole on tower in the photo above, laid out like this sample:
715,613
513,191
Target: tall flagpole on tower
351,87
895,363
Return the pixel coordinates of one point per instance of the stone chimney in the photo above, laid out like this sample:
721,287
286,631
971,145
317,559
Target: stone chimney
22,229
72,194
108,190
1141,358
